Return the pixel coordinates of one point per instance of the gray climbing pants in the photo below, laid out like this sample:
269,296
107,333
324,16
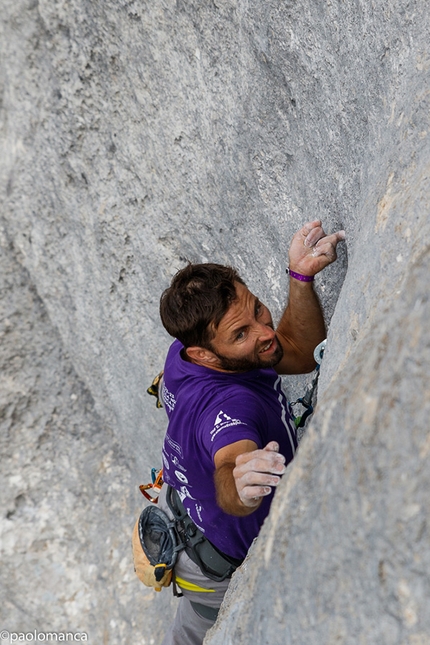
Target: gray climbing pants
188,628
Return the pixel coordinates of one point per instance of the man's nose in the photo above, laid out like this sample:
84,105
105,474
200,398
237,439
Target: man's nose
265,332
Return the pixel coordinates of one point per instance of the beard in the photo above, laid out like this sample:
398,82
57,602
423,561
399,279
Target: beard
248,363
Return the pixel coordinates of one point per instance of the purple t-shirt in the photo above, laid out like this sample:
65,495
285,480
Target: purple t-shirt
208,410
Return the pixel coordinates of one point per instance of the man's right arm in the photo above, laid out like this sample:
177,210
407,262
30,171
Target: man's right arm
245,474
301,327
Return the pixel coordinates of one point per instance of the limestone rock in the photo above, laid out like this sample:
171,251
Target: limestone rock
137,135
66,496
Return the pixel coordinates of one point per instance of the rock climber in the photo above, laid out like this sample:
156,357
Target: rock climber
230,434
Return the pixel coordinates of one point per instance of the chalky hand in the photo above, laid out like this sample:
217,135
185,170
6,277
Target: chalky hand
312,250
256,472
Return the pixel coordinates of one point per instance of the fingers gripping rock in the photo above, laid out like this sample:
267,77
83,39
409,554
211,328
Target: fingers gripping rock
312,249
257,472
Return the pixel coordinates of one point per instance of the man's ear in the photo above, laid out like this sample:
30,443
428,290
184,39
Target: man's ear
201,356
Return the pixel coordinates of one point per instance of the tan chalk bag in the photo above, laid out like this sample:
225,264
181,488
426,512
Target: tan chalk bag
155,548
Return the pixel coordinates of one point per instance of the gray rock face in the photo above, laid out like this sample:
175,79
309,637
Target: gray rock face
344,555
66,495
137,135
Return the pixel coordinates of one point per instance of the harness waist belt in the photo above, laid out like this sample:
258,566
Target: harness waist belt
214,564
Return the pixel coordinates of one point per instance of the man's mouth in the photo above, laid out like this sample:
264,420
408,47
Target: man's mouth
269,346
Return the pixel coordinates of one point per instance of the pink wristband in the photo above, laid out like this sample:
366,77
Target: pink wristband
299,276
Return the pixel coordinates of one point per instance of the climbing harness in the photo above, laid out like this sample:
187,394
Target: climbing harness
214,564
306,400
154,486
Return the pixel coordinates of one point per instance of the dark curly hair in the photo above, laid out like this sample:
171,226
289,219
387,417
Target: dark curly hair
198,297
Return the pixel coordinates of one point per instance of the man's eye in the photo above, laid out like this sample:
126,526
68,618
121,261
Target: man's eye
240,335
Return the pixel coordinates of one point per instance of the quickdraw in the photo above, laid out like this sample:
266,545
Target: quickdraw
306,400
156,475
154,486
155,389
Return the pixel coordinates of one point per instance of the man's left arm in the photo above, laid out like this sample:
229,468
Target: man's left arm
302,327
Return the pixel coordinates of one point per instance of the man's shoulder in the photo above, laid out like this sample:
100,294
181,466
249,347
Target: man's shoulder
174,350
231,399
247,396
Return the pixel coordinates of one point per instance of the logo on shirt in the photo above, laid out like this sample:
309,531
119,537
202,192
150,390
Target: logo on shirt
176,462
183,492
224,421
199,512
174,445
168,398
221,417
181,477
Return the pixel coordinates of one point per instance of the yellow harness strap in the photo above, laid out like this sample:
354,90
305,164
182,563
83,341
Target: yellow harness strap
189,586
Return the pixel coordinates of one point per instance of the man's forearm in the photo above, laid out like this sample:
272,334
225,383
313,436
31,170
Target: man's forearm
302,326
300,329
227,496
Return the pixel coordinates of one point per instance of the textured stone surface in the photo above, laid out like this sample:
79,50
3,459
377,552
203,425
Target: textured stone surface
344,556
136,135
66,497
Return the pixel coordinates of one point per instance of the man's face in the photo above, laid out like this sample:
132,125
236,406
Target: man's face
245,338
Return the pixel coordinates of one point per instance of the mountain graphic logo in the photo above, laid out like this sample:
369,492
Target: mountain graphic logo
221,418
